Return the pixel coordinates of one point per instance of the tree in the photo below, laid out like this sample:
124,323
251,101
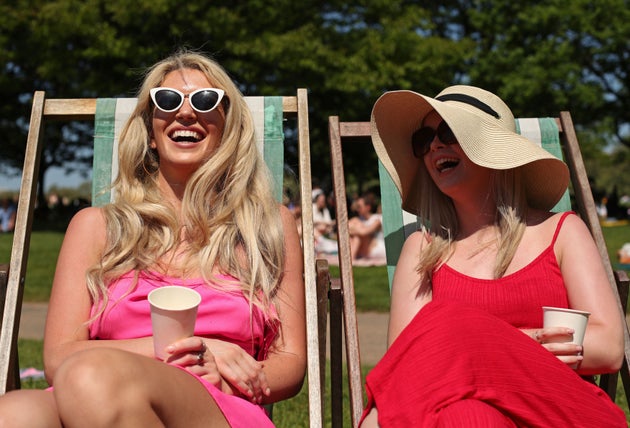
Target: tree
541,56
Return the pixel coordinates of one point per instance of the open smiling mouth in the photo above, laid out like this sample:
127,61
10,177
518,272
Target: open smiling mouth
185,136
444,164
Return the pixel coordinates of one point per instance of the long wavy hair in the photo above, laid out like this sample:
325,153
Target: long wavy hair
229,220
439,220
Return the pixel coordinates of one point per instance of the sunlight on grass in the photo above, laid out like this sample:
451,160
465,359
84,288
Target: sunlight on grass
41,262
371,287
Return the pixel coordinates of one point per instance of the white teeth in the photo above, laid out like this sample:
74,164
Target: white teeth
443,163
184,133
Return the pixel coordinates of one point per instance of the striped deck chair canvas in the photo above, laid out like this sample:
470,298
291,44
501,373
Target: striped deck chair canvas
556,135
109,116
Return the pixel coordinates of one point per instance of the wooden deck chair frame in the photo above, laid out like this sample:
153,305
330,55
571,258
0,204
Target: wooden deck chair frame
12,276
585,206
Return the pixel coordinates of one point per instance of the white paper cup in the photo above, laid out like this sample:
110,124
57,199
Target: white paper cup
570,318
173,315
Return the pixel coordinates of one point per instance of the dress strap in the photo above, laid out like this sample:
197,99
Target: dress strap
559,225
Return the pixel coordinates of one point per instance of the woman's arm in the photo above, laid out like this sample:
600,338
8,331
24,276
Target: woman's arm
70,304
286,364
358,228
588,289
409,292
236,372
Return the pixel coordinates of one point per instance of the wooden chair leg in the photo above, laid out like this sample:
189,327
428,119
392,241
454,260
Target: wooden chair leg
336,352
13,378
623,287
322,274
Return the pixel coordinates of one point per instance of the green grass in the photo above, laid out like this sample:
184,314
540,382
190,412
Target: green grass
30,355
42,259
615,237
371,287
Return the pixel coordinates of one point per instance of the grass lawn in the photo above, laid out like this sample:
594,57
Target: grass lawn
372,294
615,237
41,262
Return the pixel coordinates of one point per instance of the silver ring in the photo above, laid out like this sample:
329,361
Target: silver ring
201,353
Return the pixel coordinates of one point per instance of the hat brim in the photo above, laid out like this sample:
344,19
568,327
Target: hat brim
397,114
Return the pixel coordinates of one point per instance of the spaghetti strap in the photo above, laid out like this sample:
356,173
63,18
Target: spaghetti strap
555,235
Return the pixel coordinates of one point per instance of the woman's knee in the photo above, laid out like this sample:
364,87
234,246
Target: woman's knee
89,378
28,408
93,373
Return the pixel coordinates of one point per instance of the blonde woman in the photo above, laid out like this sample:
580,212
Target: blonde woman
193,208
466,345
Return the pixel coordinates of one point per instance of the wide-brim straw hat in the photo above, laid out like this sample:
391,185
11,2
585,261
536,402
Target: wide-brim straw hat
485,130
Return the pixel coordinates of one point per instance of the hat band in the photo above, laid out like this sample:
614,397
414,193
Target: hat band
467,99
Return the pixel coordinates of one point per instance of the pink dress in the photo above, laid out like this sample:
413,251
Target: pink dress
221,315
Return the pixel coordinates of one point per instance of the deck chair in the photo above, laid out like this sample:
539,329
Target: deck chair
557,135
109,115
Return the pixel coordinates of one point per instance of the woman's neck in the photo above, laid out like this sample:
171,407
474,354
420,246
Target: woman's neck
172,188
475,215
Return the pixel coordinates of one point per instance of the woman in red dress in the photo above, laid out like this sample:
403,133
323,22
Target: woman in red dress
466,345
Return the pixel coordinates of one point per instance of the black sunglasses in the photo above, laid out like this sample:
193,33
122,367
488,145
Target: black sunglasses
202,100
421,139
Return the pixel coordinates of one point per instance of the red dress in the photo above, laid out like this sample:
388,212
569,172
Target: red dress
463,362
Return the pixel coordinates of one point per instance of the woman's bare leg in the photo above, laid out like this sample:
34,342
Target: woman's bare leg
355,246
33,408
359,245
371,419
109,387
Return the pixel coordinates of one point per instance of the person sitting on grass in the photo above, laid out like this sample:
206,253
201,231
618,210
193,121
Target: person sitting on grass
367,241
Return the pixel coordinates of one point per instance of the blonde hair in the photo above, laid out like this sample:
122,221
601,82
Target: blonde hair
229,217
439,219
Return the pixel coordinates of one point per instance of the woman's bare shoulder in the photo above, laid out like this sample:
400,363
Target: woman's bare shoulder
419,239
89,221
551,221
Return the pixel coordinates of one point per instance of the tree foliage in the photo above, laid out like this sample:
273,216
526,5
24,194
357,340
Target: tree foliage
541,56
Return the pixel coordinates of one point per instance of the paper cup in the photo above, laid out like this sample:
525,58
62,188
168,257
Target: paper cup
173,315
571,318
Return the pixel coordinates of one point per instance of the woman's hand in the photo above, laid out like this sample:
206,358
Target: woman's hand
225,365
191,353
240,369
557,340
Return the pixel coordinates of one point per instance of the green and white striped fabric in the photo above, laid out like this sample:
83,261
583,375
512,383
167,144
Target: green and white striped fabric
544,132
399,224
112,114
